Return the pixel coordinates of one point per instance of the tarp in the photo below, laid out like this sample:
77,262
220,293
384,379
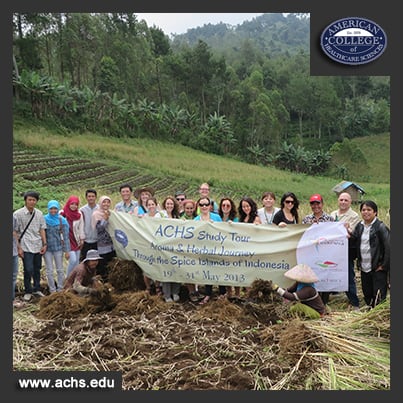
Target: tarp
221,253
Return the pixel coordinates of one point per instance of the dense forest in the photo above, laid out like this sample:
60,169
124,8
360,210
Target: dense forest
244,91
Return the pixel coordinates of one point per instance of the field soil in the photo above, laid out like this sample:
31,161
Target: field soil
246,343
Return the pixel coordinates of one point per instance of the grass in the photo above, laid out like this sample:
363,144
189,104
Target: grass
226,176
377,152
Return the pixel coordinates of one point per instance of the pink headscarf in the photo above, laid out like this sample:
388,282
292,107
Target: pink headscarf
99,213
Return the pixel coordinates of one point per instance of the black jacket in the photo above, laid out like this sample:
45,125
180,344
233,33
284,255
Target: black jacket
379,241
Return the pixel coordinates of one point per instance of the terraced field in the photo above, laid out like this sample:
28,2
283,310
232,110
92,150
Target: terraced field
33,169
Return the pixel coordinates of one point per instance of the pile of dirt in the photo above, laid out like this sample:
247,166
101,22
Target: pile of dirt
248,343
124,294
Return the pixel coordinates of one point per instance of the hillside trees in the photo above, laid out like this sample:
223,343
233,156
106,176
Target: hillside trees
247,97
160,48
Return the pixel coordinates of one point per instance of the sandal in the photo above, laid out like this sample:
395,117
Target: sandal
205,300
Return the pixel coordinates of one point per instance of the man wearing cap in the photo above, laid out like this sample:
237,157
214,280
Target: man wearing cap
303,291
82,278
317,216
30,229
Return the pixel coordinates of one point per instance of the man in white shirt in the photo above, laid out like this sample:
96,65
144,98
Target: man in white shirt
348,216
30,229
91,236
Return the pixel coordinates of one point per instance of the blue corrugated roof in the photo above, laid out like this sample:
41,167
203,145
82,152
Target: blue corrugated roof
346,184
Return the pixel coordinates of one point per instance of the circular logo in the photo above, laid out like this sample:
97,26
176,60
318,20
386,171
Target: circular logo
353,40
121,237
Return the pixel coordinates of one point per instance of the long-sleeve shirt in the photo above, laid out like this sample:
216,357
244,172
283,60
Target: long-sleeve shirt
81,277
56,241
91,235
308,295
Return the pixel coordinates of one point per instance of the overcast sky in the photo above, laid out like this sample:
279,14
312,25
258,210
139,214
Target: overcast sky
179,23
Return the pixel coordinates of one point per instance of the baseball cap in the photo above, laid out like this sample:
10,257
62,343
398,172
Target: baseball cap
315,198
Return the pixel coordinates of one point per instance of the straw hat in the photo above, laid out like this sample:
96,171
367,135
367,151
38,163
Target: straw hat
302,273
138,191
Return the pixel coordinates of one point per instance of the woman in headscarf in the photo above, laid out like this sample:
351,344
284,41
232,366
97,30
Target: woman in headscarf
76,230
57,239
100,221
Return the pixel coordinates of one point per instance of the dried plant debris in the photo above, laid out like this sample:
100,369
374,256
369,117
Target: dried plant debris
247,343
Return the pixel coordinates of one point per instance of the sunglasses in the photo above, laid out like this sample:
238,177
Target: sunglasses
314,202
225,205
289,201
204,204
180,198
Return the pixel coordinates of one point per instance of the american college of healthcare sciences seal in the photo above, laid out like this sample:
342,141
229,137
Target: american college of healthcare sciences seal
353,40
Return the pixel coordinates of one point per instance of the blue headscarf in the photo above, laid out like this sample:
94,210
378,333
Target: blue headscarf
53,220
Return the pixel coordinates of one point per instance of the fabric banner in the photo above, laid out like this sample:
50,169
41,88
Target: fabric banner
324,247
220,253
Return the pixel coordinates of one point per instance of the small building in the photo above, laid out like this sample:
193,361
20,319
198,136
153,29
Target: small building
355,191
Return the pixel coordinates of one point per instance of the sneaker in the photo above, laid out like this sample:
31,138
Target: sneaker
355,308
169,300
27,297
176,297
39,293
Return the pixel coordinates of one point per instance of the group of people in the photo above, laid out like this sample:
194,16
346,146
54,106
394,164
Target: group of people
68,232
80,234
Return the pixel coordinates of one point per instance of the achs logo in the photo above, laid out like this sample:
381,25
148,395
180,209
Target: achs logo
353,40
121,237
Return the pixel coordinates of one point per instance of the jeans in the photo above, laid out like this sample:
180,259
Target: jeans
169,289
32,263
74,260
352,288
15,274
57,258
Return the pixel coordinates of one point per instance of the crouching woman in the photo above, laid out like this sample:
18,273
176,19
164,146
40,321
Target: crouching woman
308,302
82,278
